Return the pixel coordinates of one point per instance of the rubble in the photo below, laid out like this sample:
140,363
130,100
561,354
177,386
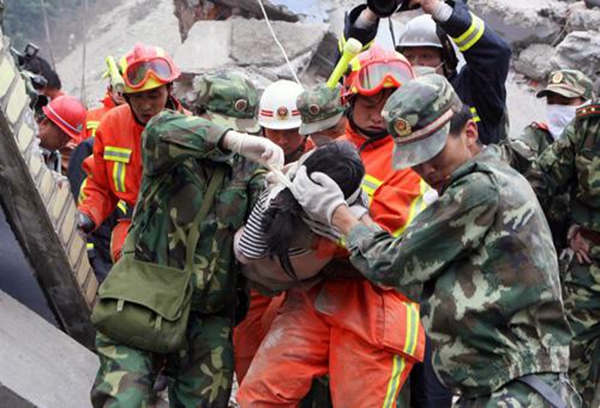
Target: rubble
534,61
580,50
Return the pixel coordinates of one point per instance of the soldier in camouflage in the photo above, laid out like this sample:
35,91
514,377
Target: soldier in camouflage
567,89
180,153
322,113
481,257
570,166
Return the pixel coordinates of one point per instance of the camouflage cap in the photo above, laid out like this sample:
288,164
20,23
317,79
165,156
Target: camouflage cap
569,83
418,117
229,99
320,108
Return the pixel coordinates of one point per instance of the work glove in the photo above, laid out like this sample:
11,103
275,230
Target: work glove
318,195
255,148
85,223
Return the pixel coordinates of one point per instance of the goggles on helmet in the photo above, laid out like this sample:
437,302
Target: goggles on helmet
374,76
138,73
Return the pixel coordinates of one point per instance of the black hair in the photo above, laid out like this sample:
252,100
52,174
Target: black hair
40,66
283,218
460,119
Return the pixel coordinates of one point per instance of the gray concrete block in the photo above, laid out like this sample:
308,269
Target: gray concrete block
207,47
40,366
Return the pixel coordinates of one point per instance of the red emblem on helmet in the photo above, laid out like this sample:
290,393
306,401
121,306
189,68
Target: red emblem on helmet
282,113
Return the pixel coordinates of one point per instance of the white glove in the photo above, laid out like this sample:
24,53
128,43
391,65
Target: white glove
324,230
358,211
318,195
258,149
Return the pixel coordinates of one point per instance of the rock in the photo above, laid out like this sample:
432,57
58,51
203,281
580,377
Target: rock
207,47
534,61
523,106
115,33
583,19
579,50
522,22
41,366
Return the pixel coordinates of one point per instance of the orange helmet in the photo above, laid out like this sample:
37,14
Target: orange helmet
68,113
146,67
374,70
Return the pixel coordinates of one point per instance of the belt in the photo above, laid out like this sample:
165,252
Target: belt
590,235
544,390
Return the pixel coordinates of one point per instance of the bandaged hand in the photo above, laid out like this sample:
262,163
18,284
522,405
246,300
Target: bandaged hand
318,195
255,148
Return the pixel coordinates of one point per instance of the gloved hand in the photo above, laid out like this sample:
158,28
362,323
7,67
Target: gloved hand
258,149
358,210
318,195
85,223
323,230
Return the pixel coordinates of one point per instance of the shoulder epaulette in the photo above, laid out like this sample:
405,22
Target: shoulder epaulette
588,110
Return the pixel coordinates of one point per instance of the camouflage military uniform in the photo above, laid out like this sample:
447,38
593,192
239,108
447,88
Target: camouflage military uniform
482,259
321,110
570,165
179,156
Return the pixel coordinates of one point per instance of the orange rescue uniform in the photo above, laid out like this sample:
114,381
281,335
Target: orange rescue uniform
366,338
116,173
94,116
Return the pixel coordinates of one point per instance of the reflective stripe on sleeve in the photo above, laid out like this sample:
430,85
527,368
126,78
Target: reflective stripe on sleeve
470,37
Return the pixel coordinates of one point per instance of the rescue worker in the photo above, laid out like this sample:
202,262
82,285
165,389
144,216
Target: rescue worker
280,120
184,153
112,98
565,91
427,41
322,113
343,315
481,256
148,73
569,165
61,124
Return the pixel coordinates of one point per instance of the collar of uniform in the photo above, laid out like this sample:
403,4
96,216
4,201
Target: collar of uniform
358,140
107,101
479,163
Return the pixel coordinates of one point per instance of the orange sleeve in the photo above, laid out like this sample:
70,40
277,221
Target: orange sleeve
98,200
397,201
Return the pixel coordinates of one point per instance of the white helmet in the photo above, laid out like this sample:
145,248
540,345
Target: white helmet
277,108
420,32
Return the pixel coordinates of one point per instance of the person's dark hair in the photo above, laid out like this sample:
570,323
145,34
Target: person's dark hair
283,218
40,66
460,119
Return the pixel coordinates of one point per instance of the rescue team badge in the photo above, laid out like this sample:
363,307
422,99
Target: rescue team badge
314,109
402,127
240,105
282,113
557,78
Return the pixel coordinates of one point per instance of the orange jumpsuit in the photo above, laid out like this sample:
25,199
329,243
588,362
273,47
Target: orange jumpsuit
366,338
94,116
116,173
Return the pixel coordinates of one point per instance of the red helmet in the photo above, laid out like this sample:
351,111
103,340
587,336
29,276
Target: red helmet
146,67
374,70
68,113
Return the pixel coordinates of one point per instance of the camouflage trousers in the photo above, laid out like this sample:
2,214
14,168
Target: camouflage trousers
581,293
519,395
199,376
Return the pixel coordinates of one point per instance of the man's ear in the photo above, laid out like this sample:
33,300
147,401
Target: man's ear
471,133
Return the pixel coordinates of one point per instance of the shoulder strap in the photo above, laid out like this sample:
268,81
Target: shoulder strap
194,235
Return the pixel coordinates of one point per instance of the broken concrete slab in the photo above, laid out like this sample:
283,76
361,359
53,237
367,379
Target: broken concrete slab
207,47
534,61
582,18
522,22
579,50
41,366
253,43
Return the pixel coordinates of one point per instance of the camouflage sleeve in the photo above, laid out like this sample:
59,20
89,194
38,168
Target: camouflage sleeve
256,186
554,171
172,137
451,226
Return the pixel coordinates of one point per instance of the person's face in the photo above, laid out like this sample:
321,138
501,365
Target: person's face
424,57
145,105
288,139
51,136
367,111
117,97
458,149
556,99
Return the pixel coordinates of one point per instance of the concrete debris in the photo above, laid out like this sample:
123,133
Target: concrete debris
579,50
582,18
534,61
